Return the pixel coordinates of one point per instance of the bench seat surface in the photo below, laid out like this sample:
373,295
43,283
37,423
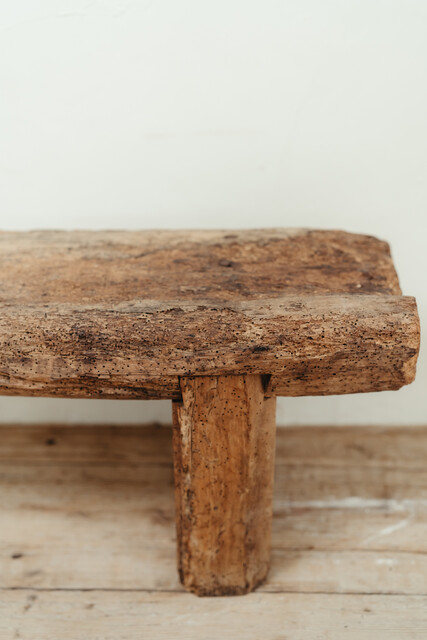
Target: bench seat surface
125,314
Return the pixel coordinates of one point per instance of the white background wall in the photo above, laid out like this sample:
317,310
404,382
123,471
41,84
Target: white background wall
233,113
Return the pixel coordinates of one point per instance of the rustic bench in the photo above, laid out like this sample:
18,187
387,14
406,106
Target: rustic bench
220,322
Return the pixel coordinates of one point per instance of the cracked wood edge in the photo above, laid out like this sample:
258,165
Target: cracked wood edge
224,441
313,345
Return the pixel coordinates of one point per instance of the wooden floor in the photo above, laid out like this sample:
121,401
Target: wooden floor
87,540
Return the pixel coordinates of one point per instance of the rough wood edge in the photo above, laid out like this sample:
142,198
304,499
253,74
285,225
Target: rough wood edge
315,345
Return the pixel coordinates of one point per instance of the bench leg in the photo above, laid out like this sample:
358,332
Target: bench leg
224,437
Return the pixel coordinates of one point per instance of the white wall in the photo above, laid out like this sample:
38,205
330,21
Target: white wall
232,113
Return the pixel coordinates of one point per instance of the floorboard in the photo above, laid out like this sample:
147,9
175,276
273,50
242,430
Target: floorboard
87,538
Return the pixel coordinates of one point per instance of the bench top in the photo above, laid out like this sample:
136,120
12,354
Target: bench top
126,313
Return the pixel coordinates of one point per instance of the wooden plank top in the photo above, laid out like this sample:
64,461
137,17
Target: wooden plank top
108,267
125,314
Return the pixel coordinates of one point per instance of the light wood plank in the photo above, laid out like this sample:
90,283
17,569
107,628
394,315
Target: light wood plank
110,564
95,510
361,446
160,616
396,447
148,444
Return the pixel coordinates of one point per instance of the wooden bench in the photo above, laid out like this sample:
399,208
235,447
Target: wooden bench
220,322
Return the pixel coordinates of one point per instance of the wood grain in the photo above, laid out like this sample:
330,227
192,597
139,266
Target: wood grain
124,315
322,344
354,521
159,616
224,434
109,267
88,550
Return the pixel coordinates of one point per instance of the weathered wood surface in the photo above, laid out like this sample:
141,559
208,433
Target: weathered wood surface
93,507
26,615
108,267
88,550
321,344
124,314
224,435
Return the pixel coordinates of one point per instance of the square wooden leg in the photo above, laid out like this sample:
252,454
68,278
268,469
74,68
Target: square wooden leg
224,441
